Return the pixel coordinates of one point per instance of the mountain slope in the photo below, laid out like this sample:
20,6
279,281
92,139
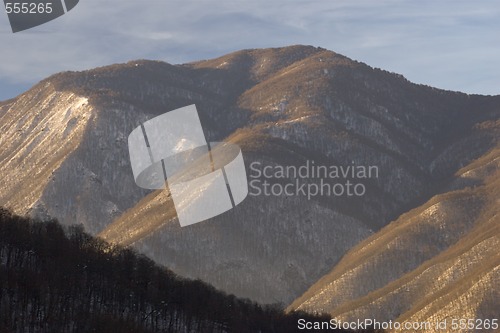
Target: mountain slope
56,280
39,131
286,106
437,262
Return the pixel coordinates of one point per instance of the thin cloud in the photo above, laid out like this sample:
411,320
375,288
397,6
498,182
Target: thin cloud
447,44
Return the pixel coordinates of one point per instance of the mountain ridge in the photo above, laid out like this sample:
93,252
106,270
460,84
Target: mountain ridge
435,287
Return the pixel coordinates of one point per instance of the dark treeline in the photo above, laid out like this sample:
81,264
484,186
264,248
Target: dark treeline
56,280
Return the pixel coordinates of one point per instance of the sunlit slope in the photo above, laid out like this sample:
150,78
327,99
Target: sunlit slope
38,131
439,261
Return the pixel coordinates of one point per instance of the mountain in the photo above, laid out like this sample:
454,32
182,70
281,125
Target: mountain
65,155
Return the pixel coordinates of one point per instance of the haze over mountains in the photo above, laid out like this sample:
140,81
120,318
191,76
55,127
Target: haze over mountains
64,154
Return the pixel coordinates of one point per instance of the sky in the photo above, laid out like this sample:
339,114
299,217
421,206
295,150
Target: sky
448,44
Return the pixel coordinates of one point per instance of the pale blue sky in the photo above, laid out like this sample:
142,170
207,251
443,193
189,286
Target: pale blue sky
453,45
